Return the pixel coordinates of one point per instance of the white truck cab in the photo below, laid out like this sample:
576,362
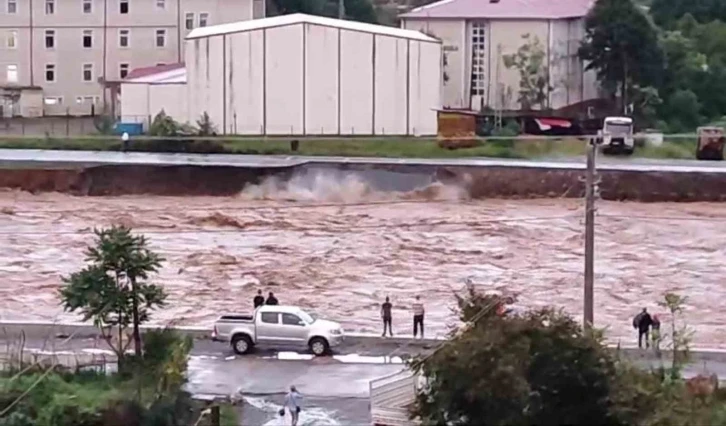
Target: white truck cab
616,135
278,326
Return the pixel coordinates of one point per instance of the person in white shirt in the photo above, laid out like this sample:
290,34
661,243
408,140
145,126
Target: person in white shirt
292,403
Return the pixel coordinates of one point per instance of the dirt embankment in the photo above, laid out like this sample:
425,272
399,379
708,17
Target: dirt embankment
477,182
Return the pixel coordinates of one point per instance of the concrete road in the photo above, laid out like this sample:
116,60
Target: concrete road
56,159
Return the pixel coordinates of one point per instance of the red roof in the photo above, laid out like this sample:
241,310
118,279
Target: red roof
502,9
146,71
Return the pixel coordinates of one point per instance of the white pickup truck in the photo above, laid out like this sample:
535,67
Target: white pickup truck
277,326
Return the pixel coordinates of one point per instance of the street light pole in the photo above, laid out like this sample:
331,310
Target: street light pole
341,9
590,185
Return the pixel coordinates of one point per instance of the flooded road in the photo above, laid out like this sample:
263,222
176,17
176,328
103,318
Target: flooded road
337,248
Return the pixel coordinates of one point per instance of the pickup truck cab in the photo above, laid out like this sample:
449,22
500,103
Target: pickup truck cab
277,326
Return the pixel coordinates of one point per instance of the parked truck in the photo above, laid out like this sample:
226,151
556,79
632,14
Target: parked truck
278,326
616,136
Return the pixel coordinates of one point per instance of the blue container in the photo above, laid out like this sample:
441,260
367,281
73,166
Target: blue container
133,129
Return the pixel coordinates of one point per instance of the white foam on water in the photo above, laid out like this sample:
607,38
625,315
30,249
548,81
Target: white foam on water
312,416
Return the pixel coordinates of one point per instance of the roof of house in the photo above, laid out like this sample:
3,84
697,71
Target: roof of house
502,9
169,73
300,18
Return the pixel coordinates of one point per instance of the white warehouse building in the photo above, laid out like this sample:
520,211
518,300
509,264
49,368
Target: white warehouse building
307,75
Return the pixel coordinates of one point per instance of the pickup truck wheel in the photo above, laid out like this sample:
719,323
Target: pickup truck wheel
319,346
241,344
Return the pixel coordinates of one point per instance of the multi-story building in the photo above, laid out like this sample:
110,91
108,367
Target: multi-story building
477,35
57,56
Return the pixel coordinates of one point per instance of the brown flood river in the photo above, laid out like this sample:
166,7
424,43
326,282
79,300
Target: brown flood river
328,251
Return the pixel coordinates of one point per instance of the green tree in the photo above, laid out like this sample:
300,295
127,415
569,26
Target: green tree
621,45
540,368
530,63
537,368
113,289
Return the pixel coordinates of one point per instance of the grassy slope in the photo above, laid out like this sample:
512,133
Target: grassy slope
379,147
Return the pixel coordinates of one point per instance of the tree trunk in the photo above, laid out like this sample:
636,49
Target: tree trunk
137,333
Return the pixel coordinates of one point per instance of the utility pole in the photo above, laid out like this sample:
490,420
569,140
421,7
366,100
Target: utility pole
341,9
590,194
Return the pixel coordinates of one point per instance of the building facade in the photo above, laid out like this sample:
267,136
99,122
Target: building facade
67,49
477,35
309,75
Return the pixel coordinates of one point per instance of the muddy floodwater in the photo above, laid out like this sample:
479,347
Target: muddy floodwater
339,249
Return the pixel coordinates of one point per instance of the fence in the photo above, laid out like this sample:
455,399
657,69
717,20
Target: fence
61,126
391,396
15,358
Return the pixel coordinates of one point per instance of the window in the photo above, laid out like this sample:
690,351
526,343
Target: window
12,41
87,39
269,317
123,70
189,21
161,4
123,6
87,100
290,319
123,38
87,6
12,7
49,7
160,38
11,75
87,72
478,62
203,19
53,100
50,73
49,39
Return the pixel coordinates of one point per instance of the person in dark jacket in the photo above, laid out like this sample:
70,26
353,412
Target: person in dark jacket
642,323
387,317
259,300
271,299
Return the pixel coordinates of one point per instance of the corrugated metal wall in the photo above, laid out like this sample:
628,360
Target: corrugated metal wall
306,79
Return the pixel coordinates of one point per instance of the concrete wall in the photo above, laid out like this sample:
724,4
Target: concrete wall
141,102
453,36
314,80
69,21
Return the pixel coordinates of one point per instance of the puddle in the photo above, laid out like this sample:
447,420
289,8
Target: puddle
309,416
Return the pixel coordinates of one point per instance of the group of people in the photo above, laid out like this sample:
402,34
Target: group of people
386,312
260,300
645,323
418,317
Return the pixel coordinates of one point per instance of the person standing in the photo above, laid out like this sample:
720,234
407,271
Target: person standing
418,317
655,328
386,308
259,300
642,323
271,299
292,404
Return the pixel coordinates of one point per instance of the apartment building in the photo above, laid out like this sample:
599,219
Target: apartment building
58,56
